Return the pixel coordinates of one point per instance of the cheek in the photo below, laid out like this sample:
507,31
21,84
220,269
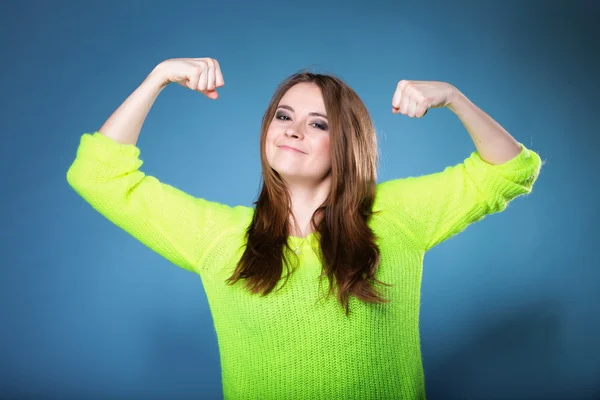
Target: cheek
324,150
270,130
324,146
269,138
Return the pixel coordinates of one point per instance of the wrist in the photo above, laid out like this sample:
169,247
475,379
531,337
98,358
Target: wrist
456,100
156,79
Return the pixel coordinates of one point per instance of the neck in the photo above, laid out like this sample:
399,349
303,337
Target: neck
304,202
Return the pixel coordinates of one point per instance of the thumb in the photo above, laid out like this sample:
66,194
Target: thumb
212,94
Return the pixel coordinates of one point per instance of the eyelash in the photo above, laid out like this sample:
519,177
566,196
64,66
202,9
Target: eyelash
321,126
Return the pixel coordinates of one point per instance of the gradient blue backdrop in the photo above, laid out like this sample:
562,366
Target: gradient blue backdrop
510,307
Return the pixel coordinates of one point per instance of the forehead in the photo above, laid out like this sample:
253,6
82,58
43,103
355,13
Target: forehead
304,97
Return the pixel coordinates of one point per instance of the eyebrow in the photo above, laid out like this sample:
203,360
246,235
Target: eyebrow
316,114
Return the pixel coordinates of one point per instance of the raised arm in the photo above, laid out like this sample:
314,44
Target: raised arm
200,74
106,173
433,208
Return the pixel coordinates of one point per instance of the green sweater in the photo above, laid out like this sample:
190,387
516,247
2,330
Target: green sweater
288,345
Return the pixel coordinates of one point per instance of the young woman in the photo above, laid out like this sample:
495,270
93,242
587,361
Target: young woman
321,214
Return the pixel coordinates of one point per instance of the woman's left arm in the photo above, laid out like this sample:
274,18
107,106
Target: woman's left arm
494,144
436,206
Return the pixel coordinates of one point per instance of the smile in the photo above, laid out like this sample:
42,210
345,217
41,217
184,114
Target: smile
291,149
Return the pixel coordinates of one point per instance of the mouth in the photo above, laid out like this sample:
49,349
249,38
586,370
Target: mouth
288,148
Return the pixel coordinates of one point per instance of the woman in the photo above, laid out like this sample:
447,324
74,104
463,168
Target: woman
322,215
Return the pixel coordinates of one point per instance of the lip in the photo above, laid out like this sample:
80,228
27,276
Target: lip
289,148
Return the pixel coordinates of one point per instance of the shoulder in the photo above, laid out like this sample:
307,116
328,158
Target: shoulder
394,190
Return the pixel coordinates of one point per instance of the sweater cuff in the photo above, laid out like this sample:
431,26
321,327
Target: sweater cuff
522,169
104,148
523,160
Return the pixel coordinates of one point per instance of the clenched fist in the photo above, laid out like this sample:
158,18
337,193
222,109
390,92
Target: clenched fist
201,74
414,98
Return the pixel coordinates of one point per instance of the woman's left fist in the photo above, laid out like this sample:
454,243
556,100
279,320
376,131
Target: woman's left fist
414,98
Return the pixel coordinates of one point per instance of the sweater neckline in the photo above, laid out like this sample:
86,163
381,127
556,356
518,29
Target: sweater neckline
299,239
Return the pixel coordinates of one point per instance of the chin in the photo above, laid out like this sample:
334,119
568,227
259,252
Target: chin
286,173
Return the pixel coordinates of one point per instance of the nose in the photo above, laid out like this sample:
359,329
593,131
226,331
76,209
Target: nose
293,131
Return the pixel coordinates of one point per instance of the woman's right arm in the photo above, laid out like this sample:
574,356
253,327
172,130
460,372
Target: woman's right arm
125,124
201,74
106,173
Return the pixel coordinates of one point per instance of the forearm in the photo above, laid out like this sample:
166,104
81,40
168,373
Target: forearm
125,124
494,144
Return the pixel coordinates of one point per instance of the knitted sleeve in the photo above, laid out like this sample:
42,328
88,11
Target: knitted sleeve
174,224
434,207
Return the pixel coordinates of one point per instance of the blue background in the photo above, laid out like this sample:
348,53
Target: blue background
510,307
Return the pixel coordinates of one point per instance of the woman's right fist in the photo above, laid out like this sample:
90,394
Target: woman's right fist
200,74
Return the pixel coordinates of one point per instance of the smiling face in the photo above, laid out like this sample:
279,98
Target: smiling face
298,140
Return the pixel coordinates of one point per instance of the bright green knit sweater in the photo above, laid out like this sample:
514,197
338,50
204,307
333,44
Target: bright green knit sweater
287,345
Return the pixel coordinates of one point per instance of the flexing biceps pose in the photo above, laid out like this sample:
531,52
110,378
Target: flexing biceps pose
314,291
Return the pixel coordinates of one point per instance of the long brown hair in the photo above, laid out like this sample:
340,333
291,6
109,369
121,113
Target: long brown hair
348,251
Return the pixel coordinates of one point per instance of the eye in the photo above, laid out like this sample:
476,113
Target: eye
320,125
282,117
